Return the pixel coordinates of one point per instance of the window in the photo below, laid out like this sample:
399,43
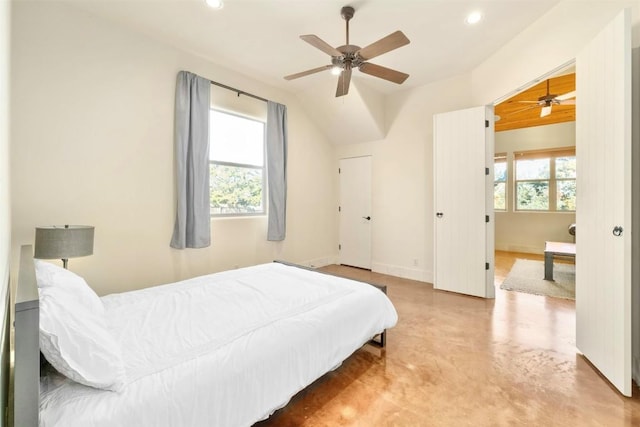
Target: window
500,182
236,165
546,180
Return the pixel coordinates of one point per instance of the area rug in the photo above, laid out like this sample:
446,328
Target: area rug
528,276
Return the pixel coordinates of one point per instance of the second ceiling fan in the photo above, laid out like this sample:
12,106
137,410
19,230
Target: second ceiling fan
548,101
347,57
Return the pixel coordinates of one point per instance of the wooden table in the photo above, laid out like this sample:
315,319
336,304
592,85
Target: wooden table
553,249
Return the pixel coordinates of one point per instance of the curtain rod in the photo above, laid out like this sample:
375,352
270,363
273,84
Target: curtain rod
238,91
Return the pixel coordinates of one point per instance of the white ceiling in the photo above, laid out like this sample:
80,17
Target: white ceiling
260,38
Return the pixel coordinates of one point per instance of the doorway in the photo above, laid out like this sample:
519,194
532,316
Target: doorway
535,183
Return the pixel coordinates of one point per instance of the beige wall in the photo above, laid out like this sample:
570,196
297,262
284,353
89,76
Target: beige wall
537,51
103,102
402,183
5,229
92,115
527,231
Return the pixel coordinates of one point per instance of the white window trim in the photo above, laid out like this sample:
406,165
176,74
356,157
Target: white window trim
502,158
552,155
263,212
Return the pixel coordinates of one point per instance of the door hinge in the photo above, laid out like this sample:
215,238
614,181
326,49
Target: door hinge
486,171
486,123
486,265
339,209
339,171
339,247
486,218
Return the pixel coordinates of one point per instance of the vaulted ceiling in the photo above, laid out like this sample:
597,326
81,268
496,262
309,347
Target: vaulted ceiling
261,39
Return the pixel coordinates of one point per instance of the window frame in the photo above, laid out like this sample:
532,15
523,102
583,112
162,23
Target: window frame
501,158
552,181
262,212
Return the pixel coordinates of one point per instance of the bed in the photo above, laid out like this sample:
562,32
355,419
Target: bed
227,349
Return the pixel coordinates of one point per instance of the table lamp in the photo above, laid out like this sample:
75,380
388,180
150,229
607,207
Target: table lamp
63,242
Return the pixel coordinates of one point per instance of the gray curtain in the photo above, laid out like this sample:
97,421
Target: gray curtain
277,169
193,221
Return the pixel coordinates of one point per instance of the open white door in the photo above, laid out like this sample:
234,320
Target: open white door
355,212
603,217
463,175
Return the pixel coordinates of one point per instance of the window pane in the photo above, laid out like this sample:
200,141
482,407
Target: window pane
235,139
500,196
500,172
566,195
532,169
532,196
235,190
566,167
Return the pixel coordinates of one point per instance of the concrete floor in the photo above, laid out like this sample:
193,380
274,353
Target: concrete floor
455,360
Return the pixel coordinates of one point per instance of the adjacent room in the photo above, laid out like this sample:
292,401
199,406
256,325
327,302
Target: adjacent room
535,187
396,159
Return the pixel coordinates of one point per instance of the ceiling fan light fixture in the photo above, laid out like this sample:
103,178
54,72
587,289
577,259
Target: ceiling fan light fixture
336,70
215,4
473,18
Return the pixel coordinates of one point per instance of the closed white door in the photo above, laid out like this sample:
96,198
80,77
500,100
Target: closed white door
603,216
355,212
463,217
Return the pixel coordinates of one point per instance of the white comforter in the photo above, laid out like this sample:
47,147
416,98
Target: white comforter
225,350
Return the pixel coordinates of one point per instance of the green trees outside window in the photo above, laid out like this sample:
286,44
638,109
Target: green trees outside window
545,182
500,182
236,165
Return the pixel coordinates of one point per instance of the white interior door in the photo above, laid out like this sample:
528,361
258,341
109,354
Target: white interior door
603,149
463,175
355,212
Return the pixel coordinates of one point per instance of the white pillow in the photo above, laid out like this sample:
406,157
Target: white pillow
50,275
74,336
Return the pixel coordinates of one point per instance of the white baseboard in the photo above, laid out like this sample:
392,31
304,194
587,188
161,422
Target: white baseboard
404,272
519,248
391,270
320,262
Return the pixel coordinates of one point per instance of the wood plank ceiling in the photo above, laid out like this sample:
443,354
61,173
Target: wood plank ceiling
515,115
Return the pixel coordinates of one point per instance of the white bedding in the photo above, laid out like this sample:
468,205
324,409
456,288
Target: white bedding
226,349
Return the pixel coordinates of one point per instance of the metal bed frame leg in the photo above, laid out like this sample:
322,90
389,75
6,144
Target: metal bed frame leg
381,341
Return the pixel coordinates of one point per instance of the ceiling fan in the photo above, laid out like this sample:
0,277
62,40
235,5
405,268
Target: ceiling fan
347,57
548,101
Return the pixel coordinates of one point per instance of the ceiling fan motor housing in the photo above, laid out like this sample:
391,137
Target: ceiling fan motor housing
347,12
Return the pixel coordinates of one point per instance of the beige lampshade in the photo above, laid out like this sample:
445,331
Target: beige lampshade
63,241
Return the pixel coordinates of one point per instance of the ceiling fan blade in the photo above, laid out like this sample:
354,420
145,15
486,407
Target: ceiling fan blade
343,82
384,45
306,73
318,43
566,96
528,102
568,102
531,107
383,72
545,111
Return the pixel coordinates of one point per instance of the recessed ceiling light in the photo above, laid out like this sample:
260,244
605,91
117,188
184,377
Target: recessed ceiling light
473,18
215,4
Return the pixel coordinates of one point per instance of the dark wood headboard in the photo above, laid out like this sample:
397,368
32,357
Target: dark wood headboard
26,389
